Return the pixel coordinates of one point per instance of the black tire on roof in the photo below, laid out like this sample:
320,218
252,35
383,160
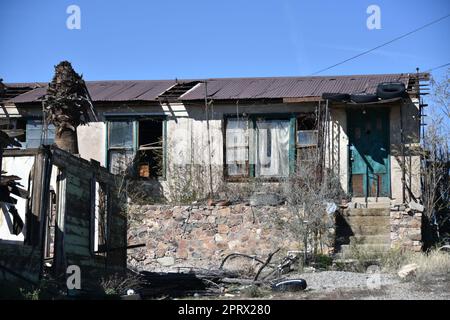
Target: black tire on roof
390,90
363,98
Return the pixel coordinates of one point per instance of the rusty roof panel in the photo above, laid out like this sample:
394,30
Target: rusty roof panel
144,90
228,88
290,87
30,96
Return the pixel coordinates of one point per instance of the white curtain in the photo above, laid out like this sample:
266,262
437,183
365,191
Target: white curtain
121,161
272,151
237,146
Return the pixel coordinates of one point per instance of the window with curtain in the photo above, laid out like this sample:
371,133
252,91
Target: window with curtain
257,147
272,148
120,146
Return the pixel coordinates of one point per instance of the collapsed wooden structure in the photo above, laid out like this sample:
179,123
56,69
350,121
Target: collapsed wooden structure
71,216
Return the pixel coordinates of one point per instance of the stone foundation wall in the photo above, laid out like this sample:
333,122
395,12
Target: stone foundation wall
406,230
201,236
178,237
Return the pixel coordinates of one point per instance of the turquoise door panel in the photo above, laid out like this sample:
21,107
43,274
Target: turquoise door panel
369,152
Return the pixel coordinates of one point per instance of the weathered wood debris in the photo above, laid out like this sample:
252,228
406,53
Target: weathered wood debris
212,281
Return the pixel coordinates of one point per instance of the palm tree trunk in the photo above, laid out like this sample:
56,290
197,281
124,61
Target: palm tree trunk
67,140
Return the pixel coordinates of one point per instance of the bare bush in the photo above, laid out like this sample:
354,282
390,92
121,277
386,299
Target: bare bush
309,192
436,160
118,284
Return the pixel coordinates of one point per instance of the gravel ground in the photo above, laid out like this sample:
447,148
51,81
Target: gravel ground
332,280
338,285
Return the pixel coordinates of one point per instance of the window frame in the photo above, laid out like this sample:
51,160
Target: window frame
252,119
25,120
300,147
98,242
135,143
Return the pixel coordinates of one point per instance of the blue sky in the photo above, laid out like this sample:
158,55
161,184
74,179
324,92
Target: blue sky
137,39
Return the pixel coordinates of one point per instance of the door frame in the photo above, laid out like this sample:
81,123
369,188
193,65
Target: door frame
388,148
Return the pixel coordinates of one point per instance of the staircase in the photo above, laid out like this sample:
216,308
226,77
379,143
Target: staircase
364,229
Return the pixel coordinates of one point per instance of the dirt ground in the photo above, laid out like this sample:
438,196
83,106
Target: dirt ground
402,291
329,285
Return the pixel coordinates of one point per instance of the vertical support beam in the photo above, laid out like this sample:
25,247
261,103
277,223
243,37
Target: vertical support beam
252,145
42,193
292,142
403,165
209,140
164,122
92,222
59,258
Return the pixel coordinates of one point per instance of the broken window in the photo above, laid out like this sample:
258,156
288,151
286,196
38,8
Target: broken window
237,147
99,218
150,150
265,141
136,147
307,138
15,128
34,136
49,249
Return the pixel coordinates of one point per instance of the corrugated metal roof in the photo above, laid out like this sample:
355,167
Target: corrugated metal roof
33,85
228,88
141,90
290,87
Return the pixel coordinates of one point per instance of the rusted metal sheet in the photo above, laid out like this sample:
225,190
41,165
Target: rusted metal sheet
229,88
290,87
143,90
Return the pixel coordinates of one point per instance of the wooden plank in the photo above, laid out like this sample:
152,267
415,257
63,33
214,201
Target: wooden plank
20,152
302,99
22,259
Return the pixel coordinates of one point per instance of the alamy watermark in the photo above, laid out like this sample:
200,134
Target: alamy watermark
374,20
73,21
373,282
74,278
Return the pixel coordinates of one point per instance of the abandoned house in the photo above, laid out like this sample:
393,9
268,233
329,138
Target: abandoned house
214,132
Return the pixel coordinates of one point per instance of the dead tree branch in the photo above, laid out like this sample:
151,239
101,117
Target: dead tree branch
231,255
269,258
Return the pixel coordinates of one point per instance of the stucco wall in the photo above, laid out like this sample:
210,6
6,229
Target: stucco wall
338,145
411,126
188,150
92,141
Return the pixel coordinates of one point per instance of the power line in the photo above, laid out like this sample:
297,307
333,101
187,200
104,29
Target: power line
382,45
438,67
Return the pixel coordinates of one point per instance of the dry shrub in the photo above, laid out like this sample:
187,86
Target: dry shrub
116,284
432,263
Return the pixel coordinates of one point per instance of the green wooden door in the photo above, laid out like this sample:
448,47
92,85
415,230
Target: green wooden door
368,132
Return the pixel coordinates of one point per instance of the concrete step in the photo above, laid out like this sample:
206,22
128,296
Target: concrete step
349,250
375,205
366,212
369,230
377,239
367,220
371,202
